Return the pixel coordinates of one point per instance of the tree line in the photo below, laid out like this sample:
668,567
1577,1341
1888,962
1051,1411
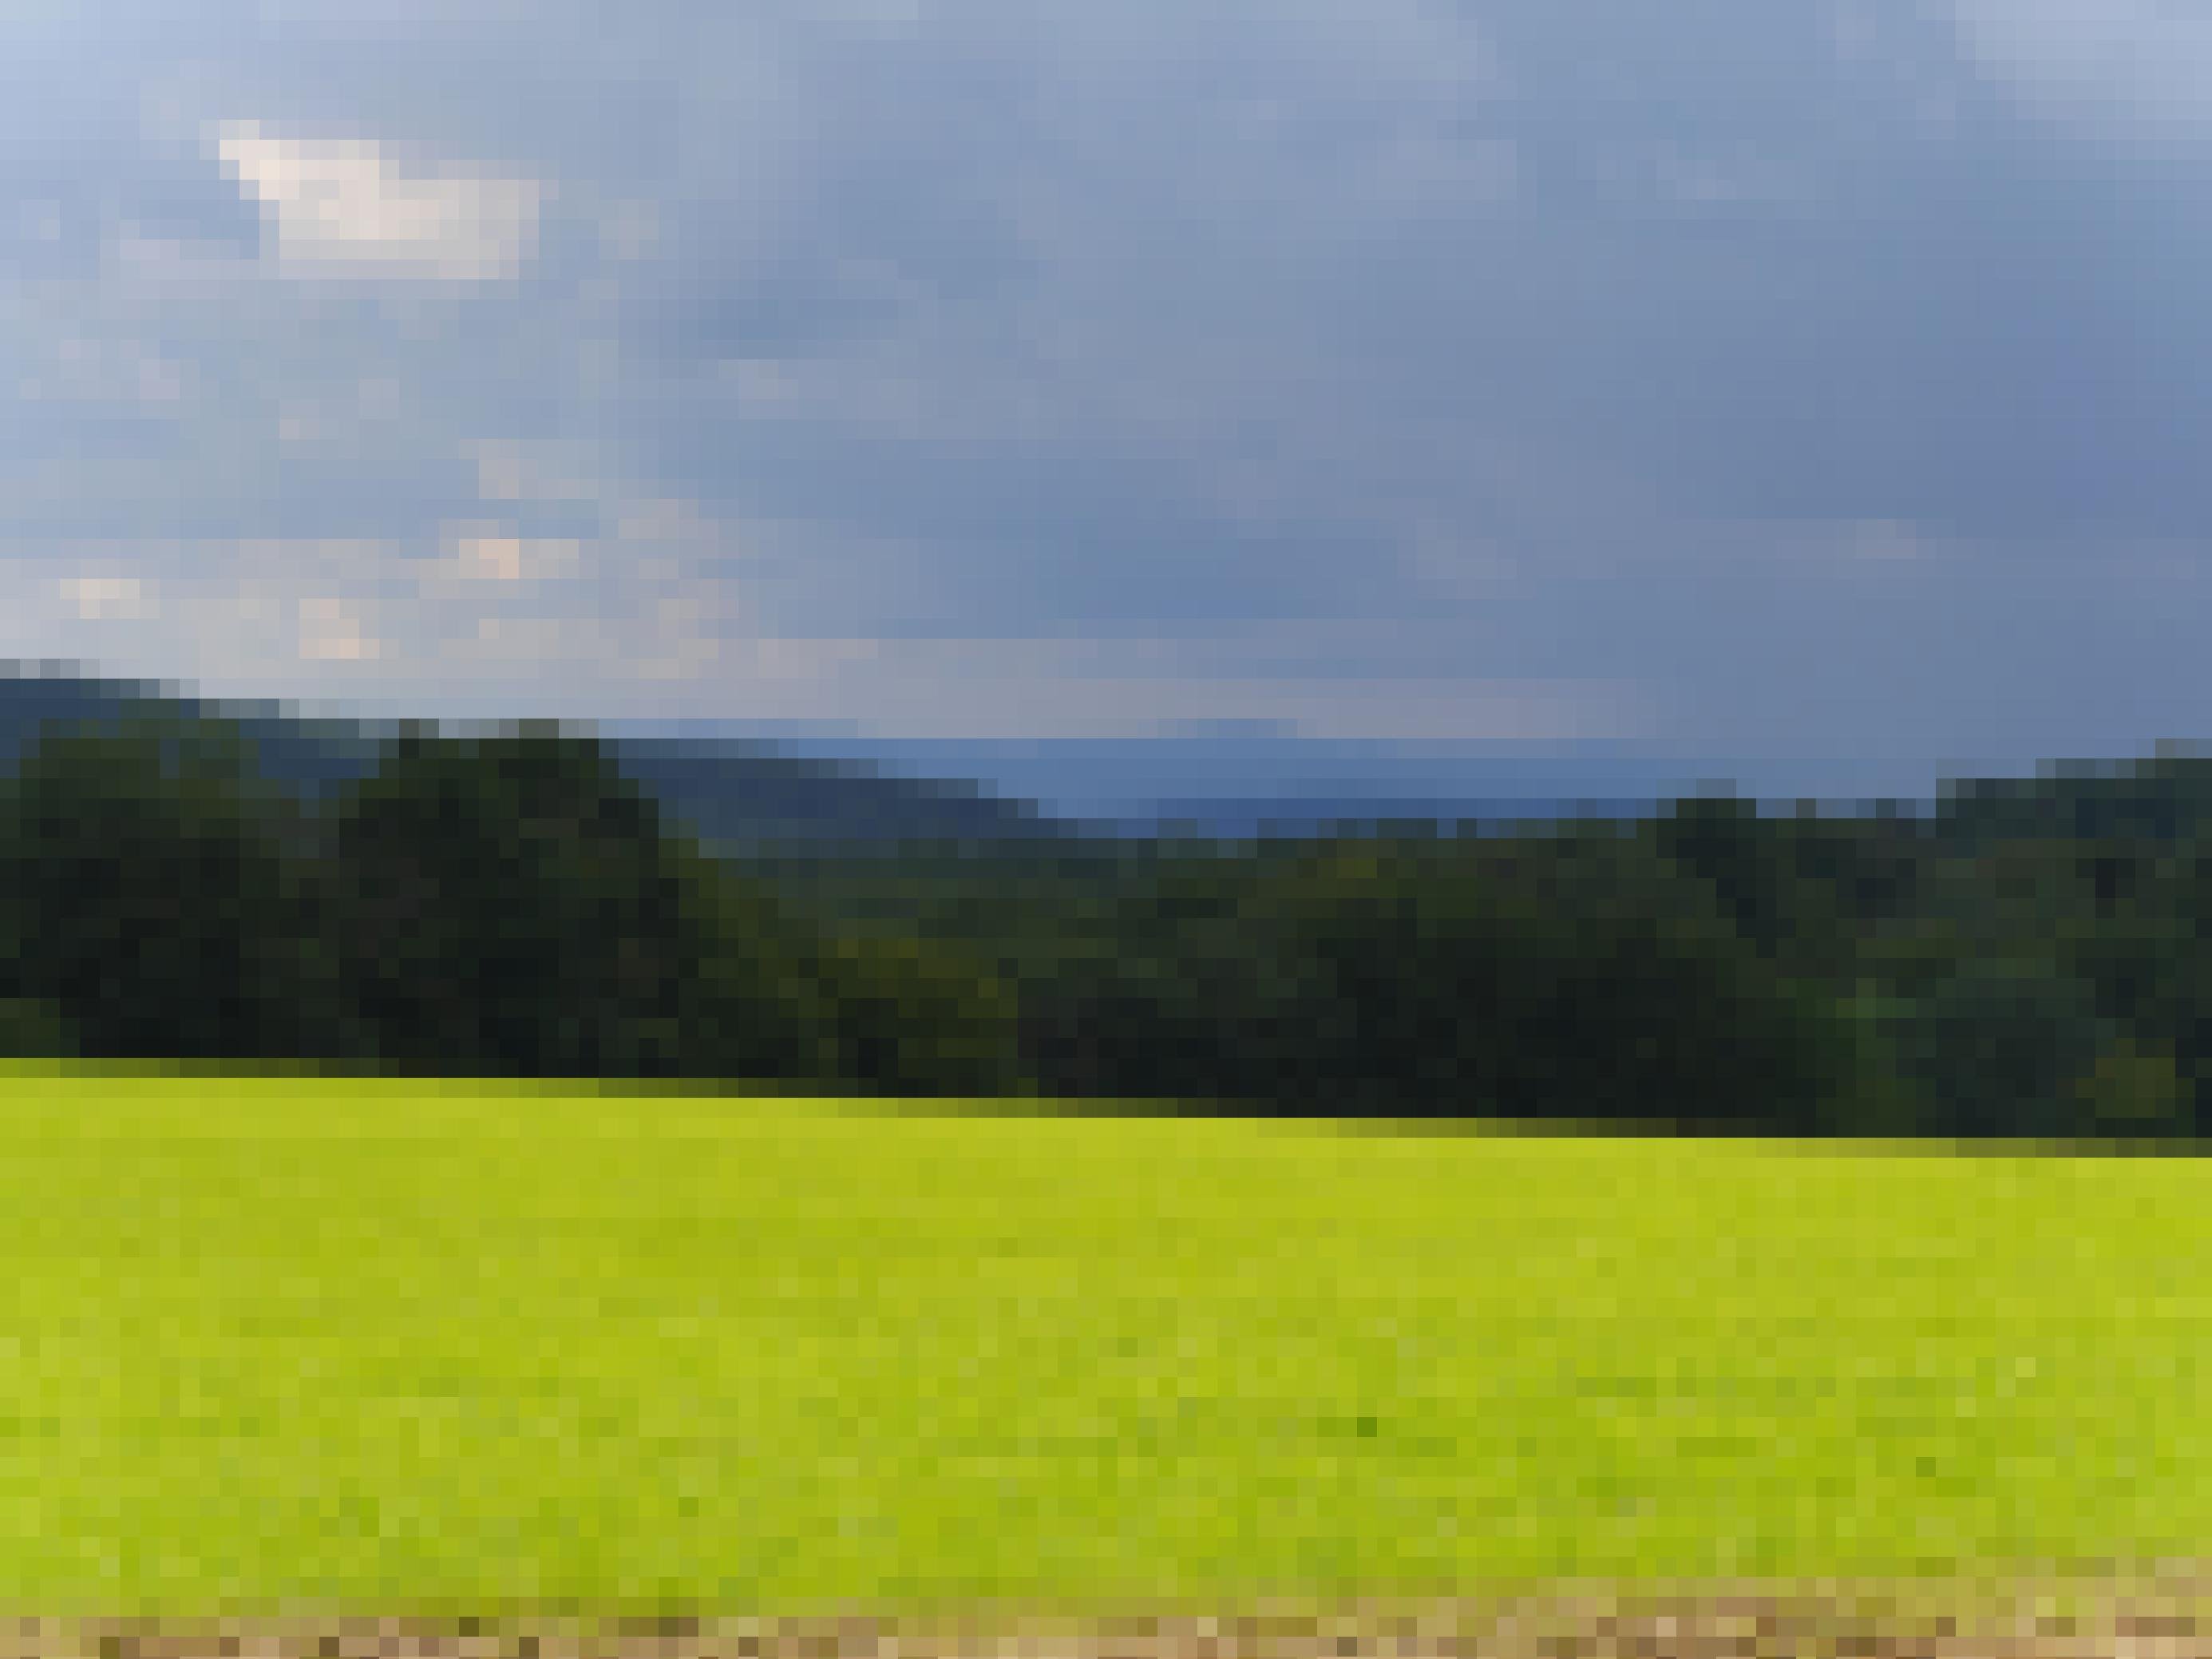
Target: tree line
2036,963
508,905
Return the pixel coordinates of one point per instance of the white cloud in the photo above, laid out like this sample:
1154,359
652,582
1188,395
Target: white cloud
331,630
344,207
103,598
494,553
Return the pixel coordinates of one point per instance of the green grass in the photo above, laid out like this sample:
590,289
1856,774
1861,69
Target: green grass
277,1344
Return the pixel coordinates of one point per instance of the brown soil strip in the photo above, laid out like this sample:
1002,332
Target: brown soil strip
2166,1618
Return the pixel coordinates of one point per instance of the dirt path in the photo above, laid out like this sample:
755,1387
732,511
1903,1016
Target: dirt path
2158,1620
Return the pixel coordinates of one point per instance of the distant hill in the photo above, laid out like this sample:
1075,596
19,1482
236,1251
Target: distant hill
733,795
1291,815
739,793
1242,784
743,792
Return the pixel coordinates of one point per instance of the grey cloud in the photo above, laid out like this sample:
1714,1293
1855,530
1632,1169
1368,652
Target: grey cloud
1483,321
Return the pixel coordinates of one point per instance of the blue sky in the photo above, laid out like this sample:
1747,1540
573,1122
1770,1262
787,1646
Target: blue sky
1726,377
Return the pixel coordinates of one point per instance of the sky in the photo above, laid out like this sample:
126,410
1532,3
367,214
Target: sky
1799,378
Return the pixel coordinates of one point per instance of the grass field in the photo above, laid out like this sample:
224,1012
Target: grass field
270,1345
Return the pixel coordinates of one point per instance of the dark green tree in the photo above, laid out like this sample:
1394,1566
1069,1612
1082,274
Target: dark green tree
513,904
159,897
1620,993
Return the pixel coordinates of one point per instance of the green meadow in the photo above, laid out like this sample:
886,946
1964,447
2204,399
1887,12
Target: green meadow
273,1344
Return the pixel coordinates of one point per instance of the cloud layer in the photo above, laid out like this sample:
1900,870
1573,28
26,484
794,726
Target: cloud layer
1784,375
